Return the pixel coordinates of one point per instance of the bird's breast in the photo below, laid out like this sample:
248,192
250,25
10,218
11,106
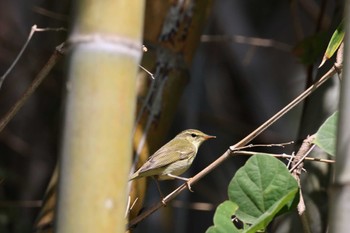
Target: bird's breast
177,168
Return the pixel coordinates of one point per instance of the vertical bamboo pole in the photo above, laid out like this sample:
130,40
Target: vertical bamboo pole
96,151
340,191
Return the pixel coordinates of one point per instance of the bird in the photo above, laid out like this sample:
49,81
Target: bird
174,158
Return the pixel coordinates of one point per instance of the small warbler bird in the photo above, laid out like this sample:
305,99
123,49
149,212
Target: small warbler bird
174,158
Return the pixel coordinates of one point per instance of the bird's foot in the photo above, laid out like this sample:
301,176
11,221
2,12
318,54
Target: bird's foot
188,185
164,203
182,178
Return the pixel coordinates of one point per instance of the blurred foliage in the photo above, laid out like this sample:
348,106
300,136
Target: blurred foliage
311,48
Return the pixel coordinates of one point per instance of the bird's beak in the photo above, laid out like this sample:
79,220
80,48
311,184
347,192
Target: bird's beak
209,137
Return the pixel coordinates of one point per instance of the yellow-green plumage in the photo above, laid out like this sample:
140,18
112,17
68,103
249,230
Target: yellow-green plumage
173,158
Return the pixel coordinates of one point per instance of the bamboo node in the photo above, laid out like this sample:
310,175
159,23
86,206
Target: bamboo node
113,43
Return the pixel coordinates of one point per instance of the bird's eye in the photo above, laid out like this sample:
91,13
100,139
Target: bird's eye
193,135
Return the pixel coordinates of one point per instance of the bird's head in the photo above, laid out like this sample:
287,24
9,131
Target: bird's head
194,136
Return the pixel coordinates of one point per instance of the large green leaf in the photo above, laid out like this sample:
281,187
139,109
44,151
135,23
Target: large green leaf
261,188
223,218
268,215
327,134
334,43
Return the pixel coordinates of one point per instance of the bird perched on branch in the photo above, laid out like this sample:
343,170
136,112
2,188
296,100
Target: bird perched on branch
174,158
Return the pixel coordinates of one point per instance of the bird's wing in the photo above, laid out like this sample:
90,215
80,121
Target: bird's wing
167,155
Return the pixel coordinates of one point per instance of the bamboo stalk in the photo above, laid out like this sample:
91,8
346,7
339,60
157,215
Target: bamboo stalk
96,151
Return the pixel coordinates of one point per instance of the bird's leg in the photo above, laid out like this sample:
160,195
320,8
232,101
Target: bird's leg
182,178
160,191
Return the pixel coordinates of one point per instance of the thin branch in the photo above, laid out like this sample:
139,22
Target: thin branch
231,149
199,206
302,158
50,14
265,145
254,41
32,31
59,51
290,160
127,210
283,156
147,71
129,206
298,165
339,58
145,49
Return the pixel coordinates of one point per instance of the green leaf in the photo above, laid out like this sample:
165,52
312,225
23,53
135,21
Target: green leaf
268,215
326,135
262,187
334,43
222,218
